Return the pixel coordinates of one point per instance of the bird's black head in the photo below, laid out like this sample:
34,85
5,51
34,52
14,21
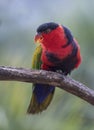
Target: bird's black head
47,27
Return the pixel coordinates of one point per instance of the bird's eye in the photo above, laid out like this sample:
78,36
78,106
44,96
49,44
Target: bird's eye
47,31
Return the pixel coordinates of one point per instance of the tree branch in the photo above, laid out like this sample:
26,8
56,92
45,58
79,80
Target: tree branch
47,77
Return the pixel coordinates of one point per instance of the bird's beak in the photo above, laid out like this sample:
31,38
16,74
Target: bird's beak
38,38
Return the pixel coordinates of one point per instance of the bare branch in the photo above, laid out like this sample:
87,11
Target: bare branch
50,78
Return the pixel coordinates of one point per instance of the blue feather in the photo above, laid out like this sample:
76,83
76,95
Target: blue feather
42,91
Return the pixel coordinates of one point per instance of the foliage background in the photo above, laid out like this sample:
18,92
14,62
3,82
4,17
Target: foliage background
18,23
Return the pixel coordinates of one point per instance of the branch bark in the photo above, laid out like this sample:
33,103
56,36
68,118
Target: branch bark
47,77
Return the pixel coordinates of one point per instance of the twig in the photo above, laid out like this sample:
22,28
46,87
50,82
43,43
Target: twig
50,78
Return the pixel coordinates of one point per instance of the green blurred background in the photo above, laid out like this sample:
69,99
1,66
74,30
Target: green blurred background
18,22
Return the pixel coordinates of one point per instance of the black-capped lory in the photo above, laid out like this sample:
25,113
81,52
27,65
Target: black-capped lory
58,50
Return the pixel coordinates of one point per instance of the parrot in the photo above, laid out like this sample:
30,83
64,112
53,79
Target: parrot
57,51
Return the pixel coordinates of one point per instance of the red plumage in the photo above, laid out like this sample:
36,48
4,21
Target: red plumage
59,47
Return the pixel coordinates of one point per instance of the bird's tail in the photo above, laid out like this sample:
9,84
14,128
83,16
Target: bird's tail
41,98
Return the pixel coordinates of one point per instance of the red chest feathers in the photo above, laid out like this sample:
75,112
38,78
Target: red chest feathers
49,57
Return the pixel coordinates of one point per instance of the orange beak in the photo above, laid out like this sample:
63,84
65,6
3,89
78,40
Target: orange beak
38,38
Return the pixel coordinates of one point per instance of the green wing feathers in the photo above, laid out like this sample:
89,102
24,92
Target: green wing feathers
36,64
42,94
36,60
